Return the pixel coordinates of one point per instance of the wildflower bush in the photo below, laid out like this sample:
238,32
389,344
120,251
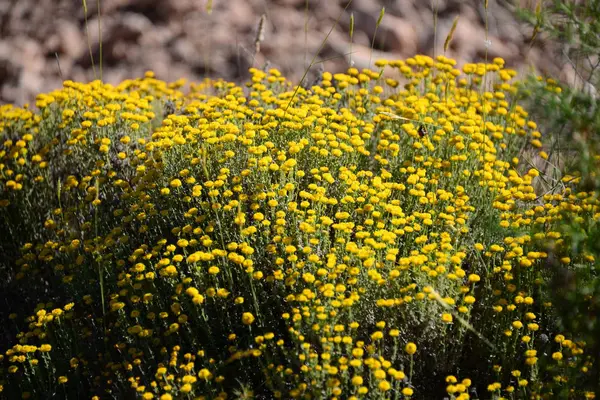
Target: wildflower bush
368,237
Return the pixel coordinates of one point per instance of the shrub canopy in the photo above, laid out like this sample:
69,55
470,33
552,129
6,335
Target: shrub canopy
383,234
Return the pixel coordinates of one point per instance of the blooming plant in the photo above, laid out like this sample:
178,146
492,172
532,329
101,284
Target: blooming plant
368,237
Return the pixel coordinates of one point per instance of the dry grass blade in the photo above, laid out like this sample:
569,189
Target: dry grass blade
260,33
351,35
434,9
394,116
381,14
100,37
450,34
462,321
312,62
59,69
538,24
87,33
305,32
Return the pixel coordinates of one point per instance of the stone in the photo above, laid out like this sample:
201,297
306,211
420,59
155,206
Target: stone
181,39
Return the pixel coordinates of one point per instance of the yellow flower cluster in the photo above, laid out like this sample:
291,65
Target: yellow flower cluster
357,239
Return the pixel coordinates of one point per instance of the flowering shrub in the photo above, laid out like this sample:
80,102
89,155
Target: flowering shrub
366,238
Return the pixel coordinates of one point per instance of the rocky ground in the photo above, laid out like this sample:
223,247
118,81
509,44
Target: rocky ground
43,42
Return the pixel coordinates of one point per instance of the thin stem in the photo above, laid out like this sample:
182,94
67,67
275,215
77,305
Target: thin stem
305,32
312,62
100,36
434,6
87,33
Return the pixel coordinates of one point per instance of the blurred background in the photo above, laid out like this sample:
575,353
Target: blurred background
43,42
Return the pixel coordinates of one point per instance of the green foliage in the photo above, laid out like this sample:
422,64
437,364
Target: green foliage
572,117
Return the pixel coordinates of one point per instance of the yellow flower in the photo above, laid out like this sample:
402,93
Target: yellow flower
447,318
117,306
247,318
45,348
410,348
205,374
186,388
384,386
357,352
533,327
517,324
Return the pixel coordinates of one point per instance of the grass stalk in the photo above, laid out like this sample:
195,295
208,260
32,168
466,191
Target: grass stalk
381,14
305,32
87,34
351,35
100,37
434,8
450,34
312,61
